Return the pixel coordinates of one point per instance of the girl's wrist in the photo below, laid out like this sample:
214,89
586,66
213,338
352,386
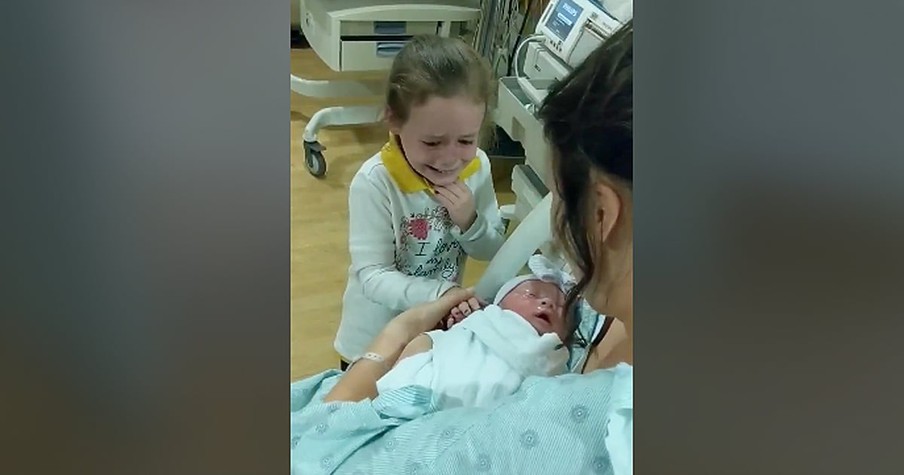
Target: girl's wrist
466,225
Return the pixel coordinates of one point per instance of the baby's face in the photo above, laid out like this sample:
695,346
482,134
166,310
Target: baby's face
542,304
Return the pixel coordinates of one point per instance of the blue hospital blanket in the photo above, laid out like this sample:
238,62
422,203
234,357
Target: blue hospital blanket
569,424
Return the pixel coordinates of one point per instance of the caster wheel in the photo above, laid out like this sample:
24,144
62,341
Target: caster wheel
313,159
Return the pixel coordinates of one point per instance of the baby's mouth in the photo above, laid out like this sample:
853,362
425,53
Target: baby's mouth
543,316
542,321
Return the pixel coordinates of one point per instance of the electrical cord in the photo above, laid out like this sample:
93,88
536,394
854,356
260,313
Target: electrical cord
512,58
529,39
507,45
487,34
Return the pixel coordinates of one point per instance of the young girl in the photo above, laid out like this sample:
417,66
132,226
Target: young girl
426,201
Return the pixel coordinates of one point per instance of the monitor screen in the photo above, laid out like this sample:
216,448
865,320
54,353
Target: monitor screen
563,18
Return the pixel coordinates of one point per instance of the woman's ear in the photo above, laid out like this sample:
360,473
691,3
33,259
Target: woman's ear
607,209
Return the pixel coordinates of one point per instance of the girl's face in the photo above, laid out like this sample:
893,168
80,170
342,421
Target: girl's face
440,137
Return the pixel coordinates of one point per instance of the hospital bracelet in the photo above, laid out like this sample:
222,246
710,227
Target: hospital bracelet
370,356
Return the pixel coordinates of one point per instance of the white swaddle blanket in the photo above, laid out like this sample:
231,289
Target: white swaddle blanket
479,360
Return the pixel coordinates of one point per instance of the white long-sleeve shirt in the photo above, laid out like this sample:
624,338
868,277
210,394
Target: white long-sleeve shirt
404,248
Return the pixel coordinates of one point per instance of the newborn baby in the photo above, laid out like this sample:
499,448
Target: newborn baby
488,354
540,303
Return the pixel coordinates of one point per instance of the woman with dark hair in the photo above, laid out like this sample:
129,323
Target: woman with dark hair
588,119
575,423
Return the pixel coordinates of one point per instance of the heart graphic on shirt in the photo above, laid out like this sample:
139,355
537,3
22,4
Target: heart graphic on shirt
419,228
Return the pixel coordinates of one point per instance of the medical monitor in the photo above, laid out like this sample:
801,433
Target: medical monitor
574,28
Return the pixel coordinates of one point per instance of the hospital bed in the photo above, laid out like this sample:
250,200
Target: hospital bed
365,35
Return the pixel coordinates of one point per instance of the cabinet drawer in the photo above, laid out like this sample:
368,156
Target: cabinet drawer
369,55
388,28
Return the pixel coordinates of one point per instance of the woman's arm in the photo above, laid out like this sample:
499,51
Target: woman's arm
422,343
360,380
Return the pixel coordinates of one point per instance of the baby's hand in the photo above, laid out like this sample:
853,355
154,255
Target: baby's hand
462,311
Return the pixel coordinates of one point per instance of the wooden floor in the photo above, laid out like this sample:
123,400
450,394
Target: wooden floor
319,214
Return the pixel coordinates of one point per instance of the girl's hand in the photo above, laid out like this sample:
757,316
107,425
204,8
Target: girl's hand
458,199
426,317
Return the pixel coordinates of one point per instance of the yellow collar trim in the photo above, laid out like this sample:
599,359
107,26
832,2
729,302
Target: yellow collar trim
405,177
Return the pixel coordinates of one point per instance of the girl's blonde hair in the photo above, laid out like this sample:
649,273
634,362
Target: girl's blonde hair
431,65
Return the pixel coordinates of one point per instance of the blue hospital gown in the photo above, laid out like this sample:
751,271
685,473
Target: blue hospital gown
568,424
